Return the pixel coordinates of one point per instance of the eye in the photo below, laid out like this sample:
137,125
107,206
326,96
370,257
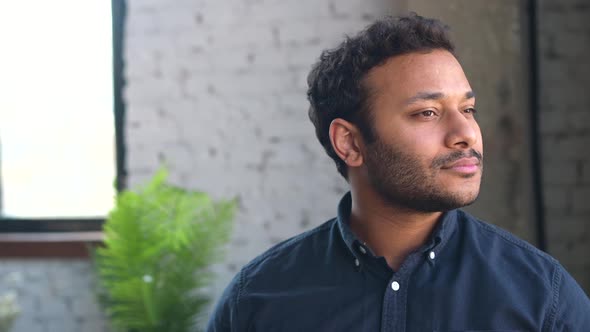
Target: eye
427,113
470,111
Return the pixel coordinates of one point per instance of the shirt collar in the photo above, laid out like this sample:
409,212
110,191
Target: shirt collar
442,232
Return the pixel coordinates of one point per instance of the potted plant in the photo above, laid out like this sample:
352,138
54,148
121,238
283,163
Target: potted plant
160,241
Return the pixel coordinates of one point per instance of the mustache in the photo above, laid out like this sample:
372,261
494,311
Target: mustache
456,155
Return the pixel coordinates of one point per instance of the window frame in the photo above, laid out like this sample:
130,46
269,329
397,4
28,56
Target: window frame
70,237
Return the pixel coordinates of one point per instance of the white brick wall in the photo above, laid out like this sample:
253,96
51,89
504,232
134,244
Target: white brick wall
216,89
53,295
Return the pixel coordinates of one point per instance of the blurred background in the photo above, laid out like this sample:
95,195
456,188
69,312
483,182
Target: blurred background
216,90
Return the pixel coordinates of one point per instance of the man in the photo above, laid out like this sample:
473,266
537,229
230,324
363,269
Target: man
395,111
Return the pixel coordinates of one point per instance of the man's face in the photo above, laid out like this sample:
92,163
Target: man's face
427,155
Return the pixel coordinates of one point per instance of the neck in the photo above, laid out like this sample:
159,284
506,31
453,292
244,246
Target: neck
392,232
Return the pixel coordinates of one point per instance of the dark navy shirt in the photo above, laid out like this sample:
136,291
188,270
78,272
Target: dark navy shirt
469,276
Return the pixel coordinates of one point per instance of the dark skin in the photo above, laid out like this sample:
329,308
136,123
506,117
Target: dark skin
423,105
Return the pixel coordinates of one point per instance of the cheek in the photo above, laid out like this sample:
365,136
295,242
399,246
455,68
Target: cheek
425,142
423,146
418,137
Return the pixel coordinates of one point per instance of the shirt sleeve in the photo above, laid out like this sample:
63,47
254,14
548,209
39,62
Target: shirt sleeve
225,314
572,306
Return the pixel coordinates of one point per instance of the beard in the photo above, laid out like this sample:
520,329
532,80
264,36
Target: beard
402,180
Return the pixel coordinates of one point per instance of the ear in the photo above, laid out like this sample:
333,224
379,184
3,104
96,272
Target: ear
346,141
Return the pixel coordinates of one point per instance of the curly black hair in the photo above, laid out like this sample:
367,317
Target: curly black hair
336,88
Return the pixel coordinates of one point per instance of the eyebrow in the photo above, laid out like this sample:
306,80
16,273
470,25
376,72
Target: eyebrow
421,96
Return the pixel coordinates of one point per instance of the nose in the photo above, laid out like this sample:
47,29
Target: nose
462,131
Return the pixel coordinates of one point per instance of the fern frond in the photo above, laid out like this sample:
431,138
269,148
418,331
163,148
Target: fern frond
159,242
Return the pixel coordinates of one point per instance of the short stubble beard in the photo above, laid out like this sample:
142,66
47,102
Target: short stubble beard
401,180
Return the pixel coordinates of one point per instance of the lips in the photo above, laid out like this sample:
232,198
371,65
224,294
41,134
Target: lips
464,165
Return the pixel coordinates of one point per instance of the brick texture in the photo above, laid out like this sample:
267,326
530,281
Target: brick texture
564,37
53,295
217,91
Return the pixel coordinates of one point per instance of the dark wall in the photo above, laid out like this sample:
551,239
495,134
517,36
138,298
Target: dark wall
564,69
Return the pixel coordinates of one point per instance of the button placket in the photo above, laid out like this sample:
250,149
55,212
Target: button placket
395,299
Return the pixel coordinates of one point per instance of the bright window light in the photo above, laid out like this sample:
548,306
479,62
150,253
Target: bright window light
57,132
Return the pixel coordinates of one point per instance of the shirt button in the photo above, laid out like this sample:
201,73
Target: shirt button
362,249
356,262
395,286
432,255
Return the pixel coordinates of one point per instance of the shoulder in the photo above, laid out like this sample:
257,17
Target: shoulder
232,311
570,309
512,261
488,234
290,252
534,272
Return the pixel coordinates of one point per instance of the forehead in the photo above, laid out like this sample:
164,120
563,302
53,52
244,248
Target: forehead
404,76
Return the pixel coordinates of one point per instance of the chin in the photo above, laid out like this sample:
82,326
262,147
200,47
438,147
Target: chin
466,198
468,201
459,196
465,187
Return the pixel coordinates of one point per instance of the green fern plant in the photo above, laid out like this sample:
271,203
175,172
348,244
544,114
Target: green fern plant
159,242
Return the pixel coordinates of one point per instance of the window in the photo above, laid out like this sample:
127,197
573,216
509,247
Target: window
60,114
